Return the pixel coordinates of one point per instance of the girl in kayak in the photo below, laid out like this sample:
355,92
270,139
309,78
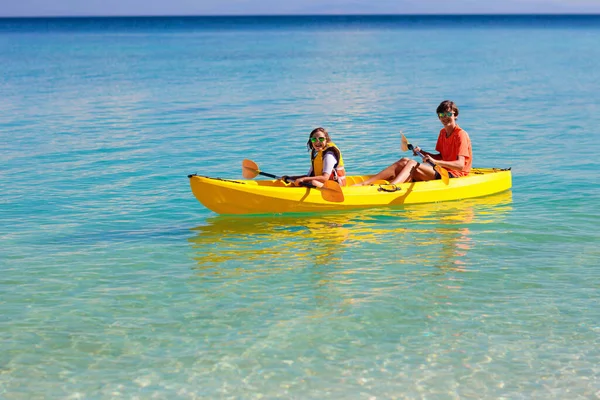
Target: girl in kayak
455,154
326,161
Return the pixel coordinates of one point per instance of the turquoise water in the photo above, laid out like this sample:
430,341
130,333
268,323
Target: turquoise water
116,283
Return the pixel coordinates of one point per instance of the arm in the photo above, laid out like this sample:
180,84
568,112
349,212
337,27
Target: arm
329,161
291,178
457,165
437,156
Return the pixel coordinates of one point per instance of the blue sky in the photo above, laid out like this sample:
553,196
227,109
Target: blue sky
14,8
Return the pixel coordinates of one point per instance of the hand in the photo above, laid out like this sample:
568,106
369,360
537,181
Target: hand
286,179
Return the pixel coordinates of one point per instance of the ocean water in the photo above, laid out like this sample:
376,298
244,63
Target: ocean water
116,283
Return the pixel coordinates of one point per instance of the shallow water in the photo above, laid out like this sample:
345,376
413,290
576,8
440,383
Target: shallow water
116,282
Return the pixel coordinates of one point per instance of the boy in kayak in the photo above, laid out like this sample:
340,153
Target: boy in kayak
326,161
454,154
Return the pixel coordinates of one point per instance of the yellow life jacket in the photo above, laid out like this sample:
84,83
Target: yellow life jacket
339,173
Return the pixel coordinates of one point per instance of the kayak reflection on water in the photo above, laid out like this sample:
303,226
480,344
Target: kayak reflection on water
230,244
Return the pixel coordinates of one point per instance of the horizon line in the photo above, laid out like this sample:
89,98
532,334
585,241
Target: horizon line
515,14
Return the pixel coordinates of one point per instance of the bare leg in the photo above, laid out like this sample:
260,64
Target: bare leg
407,172
416,172
389,173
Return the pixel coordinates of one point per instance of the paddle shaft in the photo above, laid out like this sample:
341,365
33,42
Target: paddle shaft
308,185
410,147
269,175
439,169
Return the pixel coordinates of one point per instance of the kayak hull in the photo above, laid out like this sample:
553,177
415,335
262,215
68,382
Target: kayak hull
228,196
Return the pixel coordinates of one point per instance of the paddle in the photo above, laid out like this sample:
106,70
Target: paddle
440,170
250,170
331,190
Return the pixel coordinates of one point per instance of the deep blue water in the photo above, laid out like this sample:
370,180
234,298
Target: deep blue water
322,22
116,282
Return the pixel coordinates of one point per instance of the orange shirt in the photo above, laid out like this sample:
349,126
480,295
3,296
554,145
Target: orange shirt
458,144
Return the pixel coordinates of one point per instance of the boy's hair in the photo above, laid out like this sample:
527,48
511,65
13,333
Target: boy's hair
447,105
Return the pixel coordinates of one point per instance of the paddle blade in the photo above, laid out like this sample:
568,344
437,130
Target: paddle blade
249,169
443,173
405,143
332,191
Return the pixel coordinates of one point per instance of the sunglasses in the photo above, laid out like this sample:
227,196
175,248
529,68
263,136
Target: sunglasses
445,114
320,139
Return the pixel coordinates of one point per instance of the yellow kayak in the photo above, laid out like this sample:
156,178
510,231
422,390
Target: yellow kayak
243,196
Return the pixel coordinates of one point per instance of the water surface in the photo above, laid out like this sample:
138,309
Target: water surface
117,283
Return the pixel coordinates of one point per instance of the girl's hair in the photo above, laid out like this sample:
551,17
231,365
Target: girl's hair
447,105
314,132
